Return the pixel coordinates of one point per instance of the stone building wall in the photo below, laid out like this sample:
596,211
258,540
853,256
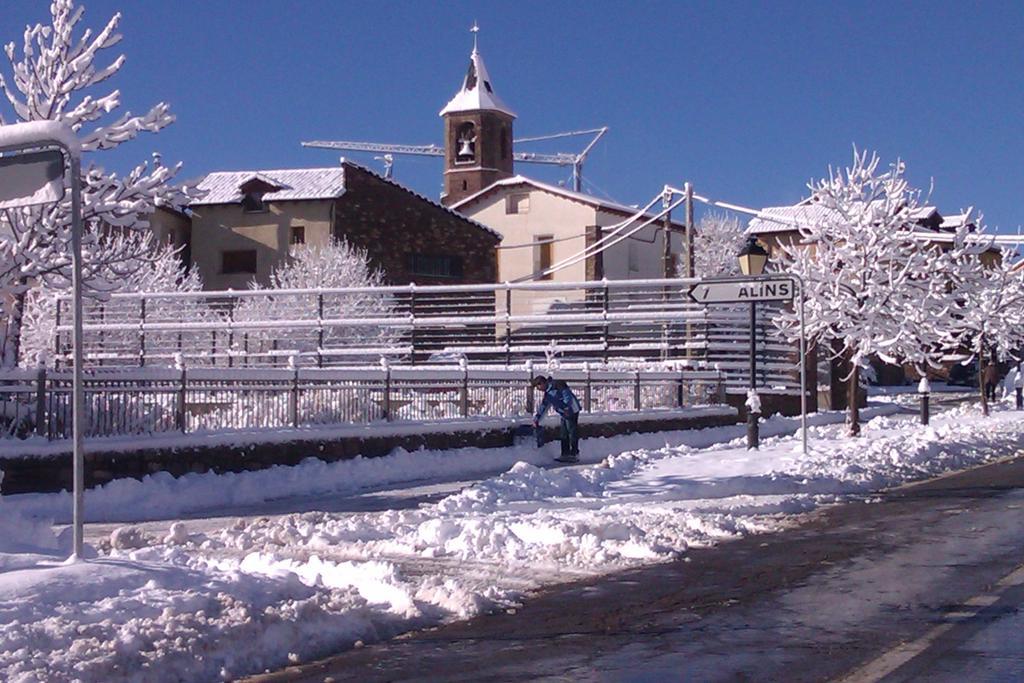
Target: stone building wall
396,226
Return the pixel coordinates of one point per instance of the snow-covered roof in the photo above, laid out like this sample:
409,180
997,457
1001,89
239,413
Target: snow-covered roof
224,187
476,93
296,184
956,220
520,180
786,218
775,219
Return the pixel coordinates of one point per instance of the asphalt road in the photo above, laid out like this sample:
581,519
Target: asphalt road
925,582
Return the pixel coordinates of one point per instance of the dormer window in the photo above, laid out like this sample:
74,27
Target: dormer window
253,191
252,202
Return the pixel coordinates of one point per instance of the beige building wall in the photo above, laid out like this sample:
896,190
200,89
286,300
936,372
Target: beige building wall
639,256
545,215
170,227
226,227
567,221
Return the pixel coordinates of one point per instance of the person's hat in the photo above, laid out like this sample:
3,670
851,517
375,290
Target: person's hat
537,381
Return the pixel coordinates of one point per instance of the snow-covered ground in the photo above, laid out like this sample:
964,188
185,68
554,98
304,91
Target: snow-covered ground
198,600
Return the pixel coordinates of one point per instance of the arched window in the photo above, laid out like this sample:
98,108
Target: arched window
506,143
465,143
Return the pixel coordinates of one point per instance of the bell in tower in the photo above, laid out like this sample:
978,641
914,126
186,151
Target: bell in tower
478,134
466,151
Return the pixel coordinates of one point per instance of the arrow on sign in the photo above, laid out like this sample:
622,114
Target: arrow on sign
737,291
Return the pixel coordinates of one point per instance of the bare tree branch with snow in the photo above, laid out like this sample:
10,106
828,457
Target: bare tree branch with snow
872,289
717,240
55,77
333,265
989,324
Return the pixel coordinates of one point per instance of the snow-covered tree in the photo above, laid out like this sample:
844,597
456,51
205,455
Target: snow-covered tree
55,77
716,242
872,289
333,265
164,272
989,324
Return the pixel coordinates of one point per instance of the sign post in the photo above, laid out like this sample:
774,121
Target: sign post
32,172
781,287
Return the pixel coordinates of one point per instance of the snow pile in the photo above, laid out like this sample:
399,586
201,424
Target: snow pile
26,540
161,613
265,591
161,496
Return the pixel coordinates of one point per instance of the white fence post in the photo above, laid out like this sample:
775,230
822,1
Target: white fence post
41,429
387,388
681,390
529,387
180,413
587,389
721,384
293,396
464,393
320,330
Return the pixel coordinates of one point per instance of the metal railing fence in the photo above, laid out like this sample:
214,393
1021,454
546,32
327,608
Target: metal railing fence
123,402
598,321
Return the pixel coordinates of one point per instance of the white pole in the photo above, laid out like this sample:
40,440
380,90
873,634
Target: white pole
78,400
803,369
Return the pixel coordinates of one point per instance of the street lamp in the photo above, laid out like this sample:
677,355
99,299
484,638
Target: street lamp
753,258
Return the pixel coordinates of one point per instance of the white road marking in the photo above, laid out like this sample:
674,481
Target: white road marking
888,662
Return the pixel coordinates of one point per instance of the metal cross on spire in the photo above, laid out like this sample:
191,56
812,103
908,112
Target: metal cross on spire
475,30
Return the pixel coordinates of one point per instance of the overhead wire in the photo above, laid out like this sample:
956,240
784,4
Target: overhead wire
604,243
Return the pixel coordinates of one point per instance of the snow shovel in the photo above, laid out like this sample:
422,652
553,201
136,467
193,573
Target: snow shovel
521,435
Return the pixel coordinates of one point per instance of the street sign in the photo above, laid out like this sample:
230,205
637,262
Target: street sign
738,291
33,178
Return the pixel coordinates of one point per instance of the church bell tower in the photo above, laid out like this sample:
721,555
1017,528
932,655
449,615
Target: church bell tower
477,134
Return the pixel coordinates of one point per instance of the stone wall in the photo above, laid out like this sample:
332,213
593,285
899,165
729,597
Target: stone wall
50,473
772,403
392,224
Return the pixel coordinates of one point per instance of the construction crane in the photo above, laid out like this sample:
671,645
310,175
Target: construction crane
557,159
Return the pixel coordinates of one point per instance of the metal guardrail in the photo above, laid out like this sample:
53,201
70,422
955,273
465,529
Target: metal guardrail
598,321
153,400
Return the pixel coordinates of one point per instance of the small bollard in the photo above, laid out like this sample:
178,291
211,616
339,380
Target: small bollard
753,435
1018,388
925,390
753,404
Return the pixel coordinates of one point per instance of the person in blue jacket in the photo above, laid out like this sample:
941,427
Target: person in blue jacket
558,396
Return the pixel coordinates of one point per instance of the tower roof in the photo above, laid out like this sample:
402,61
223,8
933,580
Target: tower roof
476,93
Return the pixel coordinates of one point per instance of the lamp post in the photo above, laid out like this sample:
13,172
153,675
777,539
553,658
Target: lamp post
1018,386
30,175
753,258
924,388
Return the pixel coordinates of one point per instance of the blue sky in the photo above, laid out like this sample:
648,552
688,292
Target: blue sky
747,100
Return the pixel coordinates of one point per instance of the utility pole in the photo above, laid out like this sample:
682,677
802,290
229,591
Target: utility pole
688,234
666,265
667,269
688,254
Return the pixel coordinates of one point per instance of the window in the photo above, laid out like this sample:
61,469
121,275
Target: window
506,143
252,202
465,143
633,256
298,235
435,265
465,185
517,203
542,255
240,261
